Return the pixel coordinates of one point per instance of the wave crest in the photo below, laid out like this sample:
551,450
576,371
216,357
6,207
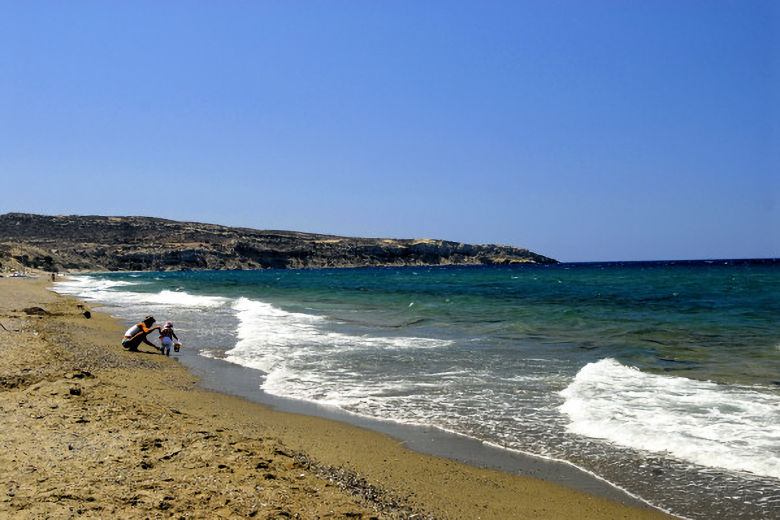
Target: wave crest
735,428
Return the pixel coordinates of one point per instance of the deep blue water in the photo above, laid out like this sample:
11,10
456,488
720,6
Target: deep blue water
662,377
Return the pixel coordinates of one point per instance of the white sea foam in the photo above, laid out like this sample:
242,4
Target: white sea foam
736,428
300,353
99,289
86,285
181,298
267,336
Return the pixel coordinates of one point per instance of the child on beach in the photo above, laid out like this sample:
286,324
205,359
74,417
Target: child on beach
166,339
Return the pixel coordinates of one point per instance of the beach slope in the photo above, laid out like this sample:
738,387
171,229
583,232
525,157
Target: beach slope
92,431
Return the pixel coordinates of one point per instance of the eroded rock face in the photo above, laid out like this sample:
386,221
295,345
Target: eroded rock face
96,243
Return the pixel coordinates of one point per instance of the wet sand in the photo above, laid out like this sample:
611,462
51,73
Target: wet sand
93,431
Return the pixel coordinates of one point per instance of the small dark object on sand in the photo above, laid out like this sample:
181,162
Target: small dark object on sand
87,314
36,311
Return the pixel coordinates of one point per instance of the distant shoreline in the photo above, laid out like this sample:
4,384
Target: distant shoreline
98,243
720,261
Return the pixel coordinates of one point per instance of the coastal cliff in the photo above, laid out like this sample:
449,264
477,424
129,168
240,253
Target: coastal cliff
100,243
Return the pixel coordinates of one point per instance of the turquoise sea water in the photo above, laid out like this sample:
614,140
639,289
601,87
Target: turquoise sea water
663,378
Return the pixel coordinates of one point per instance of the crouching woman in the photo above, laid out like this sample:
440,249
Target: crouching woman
136,334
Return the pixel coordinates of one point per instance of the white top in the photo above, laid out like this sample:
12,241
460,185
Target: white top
132,331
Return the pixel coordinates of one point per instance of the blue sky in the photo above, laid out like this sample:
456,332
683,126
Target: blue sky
583,130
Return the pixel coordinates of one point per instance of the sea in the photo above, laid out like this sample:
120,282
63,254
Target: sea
662,378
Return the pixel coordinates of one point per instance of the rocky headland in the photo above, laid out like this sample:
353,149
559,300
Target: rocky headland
100,243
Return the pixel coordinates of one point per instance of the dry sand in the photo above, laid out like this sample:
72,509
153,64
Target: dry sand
92,431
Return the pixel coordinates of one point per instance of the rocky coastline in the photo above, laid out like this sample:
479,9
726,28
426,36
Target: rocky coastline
102,243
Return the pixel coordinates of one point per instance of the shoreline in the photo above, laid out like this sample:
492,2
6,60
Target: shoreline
150,441
225,377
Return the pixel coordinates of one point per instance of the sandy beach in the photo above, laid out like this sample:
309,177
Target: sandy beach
93,431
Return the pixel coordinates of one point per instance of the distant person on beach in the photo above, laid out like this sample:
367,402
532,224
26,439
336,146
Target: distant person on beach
136,334
166,338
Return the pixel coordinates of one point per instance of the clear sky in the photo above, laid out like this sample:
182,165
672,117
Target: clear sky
582,130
